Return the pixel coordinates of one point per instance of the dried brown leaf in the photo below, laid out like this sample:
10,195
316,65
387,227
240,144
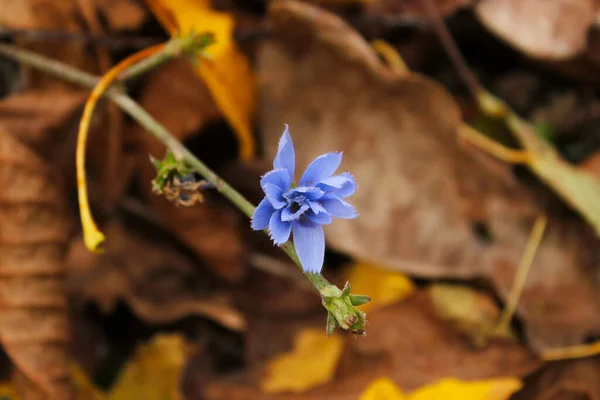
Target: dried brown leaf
122,14
39,115
572,380
154,279
544,29
33,237
427,205
52,16
183,104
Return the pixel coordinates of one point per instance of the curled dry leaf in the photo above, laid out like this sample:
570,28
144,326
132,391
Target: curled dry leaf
544,29
153,278
433,209
183,104
33,238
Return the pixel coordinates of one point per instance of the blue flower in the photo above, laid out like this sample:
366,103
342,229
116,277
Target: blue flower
302,209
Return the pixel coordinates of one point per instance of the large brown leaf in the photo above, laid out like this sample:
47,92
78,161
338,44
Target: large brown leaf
427,205
33,236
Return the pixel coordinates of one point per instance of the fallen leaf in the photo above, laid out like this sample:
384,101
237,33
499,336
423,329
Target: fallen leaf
544,29
227,72
382,389
39,116
153,278
182,104
312,362
60,16
472,311
155,371
384,286
491,389
8,391
34,233
572,380
121,15
434,208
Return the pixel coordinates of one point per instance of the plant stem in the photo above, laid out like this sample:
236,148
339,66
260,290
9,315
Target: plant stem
132,108
346,315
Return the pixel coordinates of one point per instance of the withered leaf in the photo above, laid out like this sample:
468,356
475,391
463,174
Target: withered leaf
545,29
427,205
154,279
33,236
570,380
182,103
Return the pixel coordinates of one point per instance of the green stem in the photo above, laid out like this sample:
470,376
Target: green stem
346,315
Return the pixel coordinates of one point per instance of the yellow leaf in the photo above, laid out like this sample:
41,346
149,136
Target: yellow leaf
312,362
84,389
382,389
155,371
454,389
8,391
228,74
385,287
470,310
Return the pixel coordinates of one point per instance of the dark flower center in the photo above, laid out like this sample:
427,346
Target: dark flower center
296,202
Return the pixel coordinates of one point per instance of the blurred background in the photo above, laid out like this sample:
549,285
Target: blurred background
462,202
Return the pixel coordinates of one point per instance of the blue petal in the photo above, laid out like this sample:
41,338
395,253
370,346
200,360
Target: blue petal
342,185
286,157
275,195
311,193
338,207
309,241
262,215
322,167
316,207
348,188
288,215
277,177
280,230
322,218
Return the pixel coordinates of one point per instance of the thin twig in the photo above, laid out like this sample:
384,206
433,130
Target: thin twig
523,270
113,43
456,57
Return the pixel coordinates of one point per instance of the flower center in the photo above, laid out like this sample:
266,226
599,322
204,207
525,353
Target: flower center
295,201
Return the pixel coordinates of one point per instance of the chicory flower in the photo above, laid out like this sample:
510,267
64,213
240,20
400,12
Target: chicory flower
302,209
